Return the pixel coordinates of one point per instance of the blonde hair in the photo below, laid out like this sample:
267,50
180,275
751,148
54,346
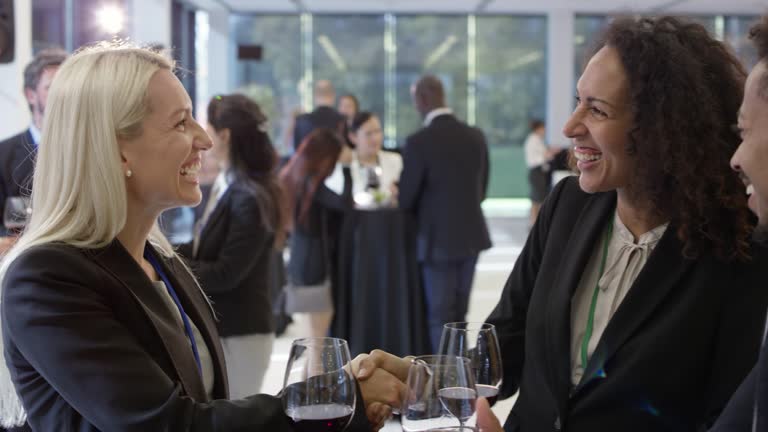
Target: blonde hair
79,195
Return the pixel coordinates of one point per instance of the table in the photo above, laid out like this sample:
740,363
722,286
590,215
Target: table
379,302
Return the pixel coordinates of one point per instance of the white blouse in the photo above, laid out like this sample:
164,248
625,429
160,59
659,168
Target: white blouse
391,167
624,261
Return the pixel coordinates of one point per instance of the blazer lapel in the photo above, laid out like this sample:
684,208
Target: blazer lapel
24,165
200,311
117,261
665,267
213,219
593,218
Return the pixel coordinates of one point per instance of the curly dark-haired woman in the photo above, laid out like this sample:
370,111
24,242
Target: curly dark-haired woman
637,303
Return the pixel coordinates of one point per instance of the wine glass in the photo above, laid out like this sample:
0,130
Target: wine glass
16,212
479,343
436,387
319,393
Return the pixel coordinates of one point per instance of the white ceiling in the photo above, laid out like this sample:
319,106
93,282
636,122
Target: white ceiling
728,7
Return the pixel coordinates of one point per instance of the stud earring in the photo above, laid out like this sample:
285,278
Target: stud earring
128,173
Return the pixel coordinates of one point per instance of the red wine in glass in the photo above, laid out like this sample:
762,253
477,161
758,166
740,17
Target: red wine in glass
459,401
490,393
320,418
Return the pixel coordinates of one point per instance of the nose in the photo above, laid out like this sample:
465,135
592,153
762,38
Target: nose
574,127
202,140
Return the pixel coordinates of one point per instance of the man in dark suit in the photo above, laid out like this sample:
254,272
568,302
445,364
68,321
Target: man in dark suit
444,180
17,152
748,408
324,115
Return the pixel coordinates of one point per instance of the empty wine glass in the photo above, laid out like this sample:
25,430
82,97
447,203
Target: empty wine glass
440,390
319,394
16,212
479,343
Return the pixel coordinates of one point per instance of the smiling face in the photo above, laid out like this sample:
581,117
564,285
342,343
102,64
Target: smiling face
369,138
599,126
751,158
166,158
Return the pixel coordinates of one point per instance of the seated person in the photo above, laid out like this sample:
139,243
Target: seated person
104,327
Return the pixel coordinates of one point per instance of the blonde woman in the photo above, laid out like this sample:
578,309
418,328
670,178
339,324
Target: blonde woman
104,327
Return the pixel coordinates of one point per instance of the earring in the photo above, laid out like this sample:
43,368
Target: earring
129,173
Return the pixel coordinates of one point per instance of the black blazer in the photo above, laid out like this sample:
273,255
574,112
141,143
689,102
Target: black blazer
749,403
91,345
444,180
233,263
17,163
678,346
321,117
310,253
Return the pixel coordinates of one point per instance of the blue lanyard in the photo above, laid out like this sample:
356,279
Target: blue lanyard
187,326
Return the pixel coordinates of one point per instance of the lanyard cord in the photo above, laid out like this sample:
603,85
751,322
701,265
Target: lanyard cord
184,318
593,305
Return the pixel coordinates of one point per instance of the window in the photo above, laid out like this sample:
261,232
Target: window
275,79
510,91
349,51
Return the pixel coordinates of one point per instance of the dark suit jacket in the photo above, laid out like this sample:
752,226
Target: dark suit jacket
444,180
92,345
321,117
16,166
233,263
313,242
750,402
676,349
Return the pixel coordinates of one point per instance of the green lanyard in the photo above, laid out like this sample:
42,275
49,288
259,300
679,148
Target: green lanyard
593,305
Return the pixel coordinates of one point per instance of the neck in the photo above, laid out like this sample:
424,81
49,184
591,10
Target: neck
367,159
37,120
637,214
428,110
136,231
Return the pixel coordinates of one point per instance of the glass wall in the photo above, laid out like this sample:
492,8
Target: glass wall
273,81
429,45
510,92
493,69
349,51
48,24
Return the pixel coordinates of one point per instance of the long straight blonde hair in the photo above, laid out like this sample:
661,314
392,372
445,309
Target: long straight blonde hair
79,192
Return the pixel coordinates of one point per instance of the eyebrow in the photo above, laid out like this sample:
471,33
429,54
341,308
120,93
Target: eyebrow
180,110
594,99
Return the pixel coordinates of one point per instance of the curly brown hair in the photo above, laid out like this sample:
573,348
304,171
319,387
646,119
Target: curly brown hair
685,92
759,36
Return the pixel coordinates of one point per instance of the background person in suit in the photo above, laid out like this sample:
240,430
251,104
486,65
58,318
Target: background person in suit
103,326
747,411
444,180
241,225
637,305
324,115
17,153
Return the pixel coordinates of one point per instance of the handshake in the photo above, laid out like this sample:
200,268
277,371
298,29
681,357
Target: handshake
382,378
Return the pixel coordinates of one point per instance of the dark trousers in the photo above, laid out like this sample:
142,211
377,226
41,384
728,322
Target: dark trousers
447,285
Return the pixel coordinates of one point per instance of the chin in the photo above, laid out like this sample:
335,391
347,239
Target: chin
588,186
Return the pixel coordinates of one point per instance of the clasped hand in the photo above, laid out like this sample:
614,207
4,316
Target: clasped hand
382,378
